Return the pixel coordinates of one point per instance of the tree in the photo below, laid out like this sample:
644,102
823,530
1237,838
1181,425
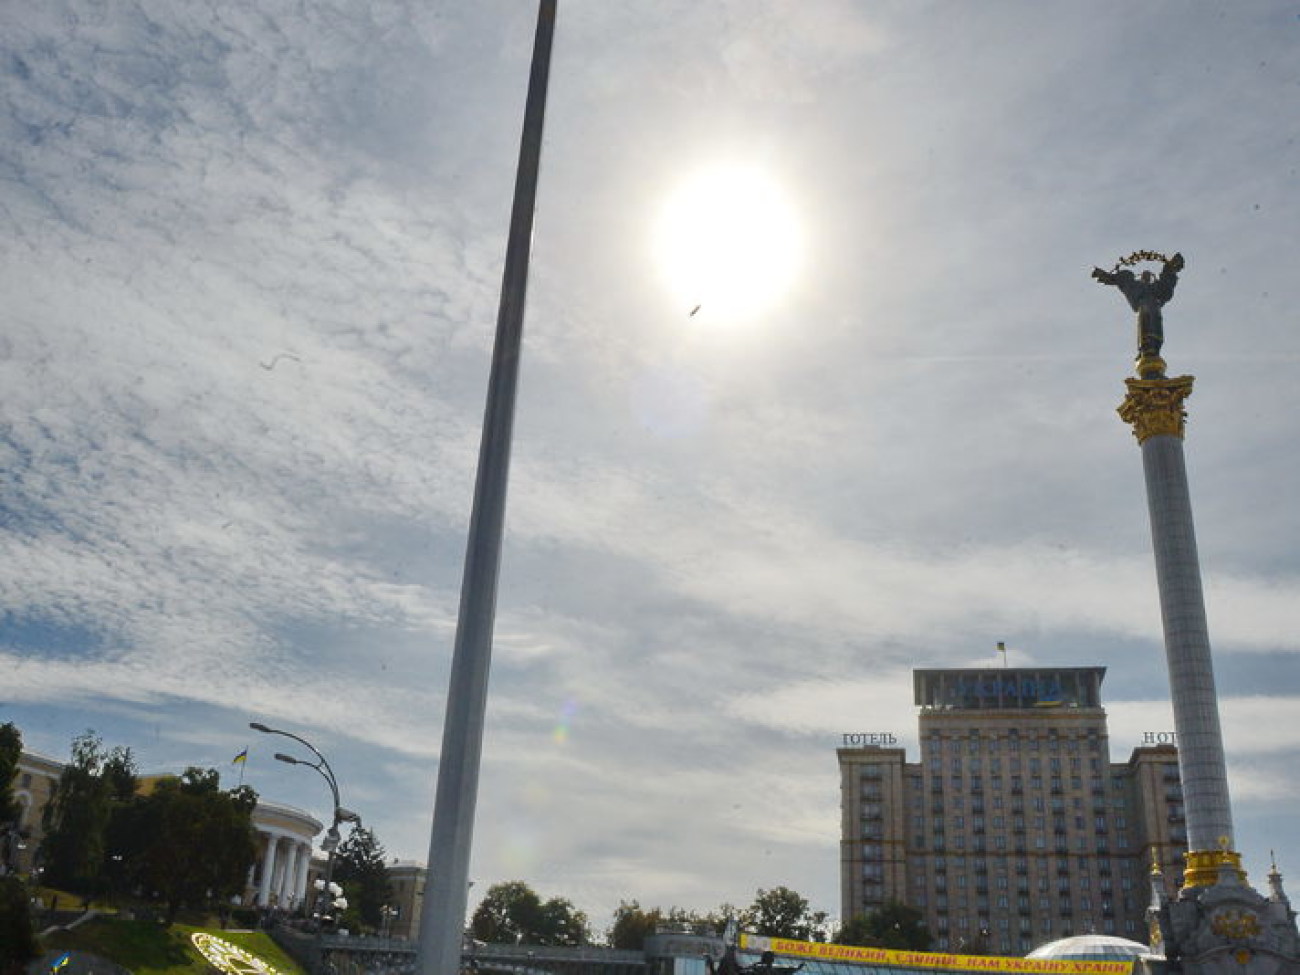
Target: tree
562,924
188,842
894,925
360,871
17,940
74,821
512,912
11,749
783,913
632,926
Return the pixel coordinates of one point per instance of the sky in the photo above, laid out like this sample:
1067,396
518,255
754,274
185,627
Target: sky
250,258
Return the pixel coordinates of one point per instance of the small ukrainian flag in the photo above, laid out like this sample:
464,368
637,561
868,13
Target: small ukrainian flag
241,757
61,961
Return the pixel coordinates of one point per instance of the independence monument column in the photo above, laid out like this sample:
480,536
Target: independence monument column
1154,408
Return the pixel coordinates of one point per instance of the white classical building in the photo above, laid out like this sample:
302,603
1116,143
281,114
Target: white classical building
280,875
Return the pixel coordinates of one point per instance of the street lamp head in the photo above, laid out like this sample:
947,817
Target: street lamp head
258,726
346,816
289,759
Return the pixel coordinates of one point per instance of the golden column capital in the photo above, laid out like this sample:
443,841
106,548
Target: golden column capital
1155,406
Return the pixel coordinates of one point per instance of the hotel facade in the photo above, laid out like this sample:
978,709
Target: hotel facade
1015,828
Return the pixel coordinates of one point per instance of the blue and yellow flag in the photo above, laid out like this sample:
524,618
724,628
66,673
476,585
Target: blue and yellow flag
241,757
59,962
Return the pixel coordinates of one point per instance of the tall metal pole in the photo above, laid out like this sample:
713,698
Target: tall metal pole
446,890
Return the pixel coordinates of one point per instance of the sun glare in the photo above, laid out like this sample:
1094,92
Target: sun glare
727,243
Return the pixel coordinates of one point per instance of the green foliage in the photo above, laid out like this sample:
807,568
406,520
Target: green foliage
894,925
513,913
77,816
562,923
359,869
783,913
187,843
632,926
11,749
17,940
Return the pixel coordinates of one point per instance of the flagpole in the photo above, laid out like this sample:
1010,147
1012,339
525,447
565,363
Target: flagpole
442,920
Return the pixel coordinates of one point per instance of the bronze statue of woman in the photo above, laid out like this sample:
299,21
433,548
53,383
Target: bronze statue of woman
1146,293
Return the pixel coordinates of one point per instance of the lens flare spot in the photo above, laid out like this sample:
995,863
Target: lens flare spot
560,734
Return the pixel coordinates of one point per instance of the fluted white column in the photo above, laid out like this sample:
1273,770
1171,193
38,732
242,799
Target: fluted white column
284,889
268,868
304,865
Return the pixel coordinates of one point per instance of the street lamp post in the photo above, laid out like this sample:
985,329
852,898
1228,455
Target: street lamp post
327,895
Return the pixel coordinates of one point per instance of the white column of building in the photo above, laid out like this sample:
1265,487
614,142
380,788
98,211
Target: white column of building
268,868
284,889
304,865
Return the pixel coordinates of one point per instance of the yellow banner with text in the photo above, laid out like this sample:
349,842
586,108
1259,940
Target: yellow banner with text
944,961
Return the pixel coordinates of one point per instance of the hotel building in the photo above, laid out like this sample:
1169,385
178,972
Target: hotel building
1014,828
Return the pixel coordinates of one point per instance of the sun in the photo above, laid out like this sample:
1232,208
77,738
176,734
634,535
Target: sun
727,242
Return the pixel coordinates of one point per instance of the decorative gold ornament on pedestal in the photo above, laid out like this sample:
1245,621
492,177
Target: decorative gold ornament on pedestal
1155,406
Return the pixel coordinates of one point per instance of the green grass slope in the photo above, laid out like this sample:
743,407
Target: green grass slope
148,948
